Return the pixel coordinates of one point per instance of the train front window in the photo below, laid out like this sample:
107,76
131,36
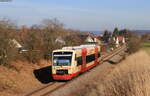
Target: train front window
62,58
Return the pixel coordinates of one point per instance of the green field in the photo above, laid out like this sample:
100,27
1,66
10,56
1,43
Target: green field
146,47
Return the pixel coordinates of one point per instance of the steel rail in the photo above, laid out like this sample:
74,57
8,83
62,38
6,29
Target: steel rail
39,89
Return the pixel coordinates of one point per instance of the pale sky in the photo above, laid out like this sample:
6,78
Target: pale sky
81,14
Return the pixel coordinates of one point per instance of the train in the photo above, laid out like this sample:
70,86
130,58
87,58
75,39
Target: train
69,62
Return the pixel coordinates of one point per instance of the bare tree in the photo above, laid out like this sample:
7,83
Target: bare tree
8,50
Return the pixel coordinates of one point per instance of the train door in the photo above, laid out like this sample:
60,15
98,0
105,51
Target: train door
83,66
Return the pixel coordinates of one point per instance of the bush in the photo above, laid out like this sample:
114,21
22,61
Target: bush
134,44
112,44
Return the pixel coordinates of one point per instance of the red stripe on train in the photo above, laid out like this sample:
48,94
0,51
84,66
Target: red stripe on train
83,66
65,77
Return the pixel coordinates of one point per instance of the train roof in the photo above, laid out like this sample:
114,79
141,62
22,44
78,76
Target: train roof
73,48
63,50
79,47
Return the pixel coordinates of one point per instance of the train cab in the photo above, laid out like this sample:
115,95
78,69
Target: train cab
63,64
68,62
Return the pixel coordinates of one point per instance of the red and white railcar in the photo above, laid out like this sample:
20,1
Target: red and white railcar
68,62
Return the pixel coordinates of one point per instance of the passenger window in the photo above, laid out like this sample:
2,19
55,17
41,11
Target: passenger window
90,58
79,60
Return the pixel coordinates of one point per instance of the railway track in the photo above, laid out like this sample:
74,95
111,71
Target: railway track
49,88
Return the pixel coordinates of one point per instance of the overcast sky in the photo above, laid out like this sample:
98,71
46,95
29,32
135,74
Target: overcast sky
81,14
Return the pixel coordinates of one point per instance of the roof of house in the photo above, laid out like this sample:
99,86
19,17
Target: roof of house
17,44
120,38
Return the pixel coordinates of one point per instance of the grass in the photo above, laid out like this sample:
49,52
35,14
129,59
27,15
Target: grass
146,47
146,44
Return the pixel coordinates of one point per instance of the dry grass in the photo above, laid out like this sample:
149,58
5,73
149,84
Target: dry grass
129,78
15,83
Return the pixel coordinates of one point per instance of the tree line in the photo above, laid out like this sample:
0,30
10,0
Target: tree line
40,40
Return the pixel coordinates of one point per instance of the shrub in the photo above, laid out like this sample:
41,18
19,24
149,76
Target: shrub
134,44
